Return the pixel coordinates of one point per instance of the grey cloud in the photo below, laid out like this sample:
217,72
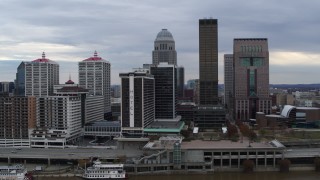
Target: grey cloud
123,31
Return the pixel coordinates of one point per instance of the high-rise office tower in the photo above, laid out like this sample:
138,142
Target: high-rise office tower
228,81
164,48
165,90
208,61
94,75
37,78
251,77
6,87
180,82
20,82
209,114
138,101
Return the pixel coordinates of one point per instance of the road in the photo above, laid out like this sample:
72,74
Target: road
302,152
68,153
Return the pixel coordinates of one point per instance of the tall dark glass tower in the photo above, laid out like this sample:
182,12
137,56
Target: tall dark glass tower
209,114
208,61
165,90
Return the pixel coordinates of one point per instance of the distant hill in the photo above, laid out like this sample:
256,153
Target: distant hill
295,86
288,86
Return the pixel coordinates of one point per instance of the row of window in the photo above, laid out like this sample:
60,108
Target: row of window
255,48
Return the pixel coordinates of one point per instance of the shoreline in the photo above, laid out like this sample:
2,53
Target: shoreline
185,172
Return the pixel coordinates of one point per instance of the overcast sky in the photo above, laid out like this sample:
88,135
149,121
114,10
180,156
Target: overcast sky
123,32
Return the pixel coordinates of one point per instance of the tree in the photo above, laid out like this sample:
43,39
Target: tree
248,165
252,135
317,163
186,133
232,131
262,132
244,129
284,165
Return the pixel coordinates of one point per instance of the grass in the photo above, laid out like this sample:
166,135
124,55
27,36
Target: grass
291,135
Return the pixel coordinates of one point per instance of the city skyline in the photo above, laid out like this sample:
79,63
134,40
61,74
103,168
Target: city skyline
123,33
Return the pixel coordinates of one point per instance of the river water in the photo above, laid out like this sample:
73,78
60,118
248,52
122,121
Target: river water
300,175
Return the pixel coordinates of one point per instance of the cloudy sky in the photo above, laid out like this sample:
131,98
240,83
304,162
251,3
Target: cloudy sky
123,32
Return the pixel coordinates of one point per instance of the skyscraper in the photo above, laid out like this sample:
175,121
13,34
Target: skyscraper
208,61
38,77
180,82
165,90
228,81
251,77
164,49
209,114
6,87
137,101
94,75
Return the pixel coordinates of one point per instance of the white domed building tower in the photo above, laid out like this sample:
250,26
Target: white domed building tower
164,49
39,76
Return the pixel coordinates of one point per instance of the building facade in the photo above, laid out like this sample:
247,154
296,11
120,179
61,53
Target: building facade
138,101
17,117
251,78
165,90
228,82
37,78
92,107
164,49
58,119
208,61
94,75
6,87
180,82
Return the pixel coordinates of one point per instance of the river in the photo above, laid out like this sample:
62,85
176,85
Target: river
298,175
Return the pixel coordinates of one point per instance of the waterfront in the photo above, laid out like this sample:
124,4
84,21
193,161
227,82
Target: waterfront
300,175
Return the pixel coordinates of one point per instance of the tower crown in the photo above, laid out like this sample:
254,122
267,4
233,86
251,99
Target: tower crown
164,35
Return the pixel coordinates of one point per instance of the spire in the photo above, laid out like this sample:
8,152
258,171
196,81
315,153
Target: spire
95,54
43,55
69,81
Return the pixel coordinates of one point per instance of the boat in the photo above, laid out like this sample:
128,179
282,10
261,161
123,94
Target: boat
100,170
14,172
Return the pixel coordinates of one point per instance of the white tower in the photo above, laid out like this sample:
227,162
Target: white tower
164,49
94,75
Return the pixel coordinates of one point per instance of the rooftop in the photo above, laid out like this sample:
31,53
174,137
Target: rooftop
224,144
104,123
72,89
164,35
95,57
165,126
44,60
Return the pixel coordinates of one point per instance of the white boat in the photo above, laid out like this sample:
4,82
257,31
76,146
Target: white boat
104,171
14,172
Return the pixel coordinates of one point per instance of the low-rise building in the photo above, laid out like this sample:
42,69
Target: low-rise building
173,153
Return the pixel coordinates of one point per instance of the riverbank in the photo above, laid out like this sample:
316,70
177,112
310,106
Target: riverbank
296,175
65,173
74,171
